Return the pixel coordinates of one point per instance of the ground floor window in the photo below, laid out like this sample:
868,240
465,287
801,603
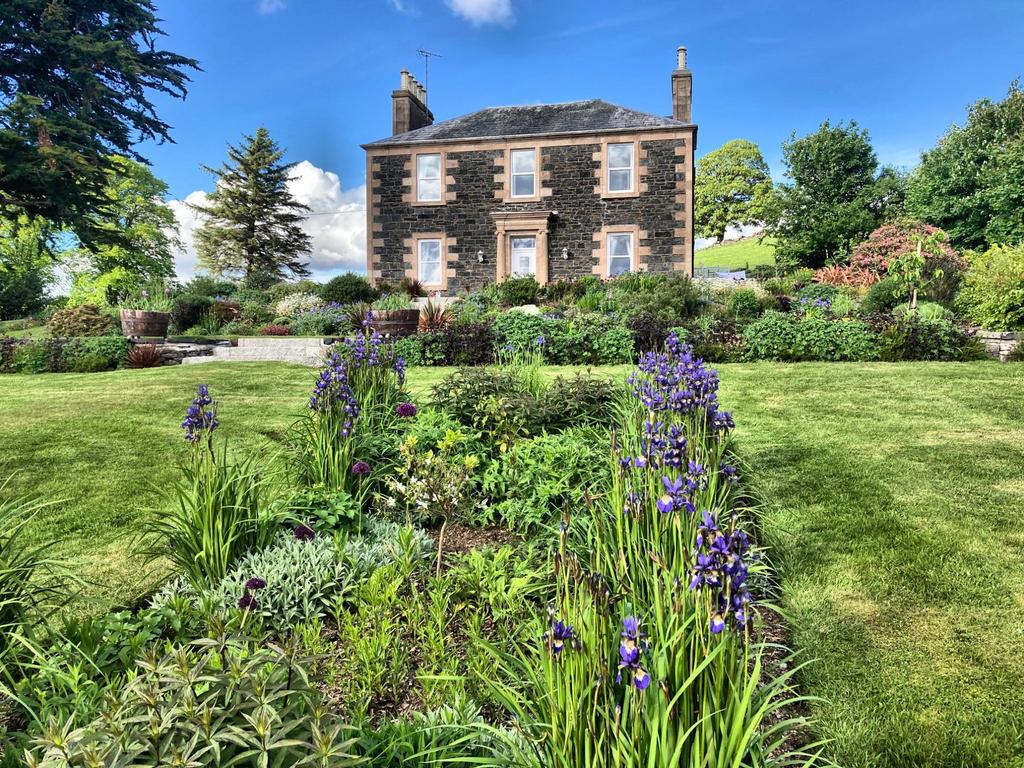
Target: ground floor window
429,259
620,253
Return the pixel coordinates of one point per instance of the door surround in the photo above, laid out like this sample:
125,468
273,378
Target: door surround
509,224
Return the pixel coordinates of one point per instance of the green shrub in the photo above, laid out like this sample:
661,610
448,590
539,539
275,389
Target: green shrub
821,339
33,357
429,348
83,320
580,400
743,303
993,290
771,337
818,291
348,288
615,345
188,310
915,338
670,298
881,297
926,310
534,485
517,330
278,291
203,285
100,353
518,291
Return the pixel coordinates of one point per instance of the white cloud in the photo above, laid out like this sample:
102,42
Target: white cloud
266,7
401,6
479,12
337,226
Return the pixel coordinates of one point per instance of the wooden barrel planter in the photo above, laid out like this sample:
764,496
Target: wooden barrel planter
396,322
142,322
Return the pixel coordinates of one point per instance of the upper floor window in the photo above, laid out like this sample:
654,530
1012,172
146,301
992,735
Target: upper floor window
620,167
524,172
429,261
428,178
620,253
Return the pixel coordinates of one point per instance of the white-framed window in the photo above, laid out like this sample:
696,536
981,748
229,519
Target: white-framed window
620,167
428,178
620,253
429,261
524,172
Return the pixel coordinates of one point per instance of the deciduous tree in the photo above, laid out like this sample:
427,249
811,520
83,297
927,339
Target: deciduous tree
835,197
972,183
731,188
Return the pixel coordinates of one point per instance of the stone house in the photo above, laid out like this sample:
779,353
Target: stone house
555,190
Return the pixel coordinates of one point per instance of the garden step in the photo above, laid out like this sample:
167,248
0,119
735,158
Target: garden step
303,351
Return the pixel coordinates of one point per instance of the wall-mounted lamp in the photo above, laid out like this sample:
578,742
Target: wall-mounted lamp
565,254
480,256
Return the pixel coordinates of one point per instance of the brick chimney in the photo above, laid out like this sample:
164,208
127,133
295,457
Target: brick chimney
682,89
409,106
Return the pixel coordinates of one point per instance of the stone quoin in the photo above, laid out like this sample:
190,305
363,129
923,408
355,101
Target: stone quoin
555,190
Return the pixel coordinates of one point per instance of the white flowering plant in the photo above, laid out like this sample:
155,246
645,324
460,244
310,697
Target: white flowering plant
297,304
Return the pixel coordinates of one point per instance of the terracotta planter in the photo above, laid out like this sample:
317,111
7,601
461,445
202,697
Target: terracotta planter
396,322
142,322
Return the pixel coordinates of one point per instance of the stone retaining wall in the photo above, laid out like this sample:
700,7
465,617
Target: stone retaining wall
1000,344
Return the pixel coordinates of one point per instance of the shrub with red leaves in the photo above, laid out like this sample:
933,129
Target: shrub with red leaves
890,241
275,330
846,277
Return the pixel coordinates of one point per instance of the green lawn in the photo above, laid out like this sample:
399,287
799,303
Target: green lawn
894,506
738,254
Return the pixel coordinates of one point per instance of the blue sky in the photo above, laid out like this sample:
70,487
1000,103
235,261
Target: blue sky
319,73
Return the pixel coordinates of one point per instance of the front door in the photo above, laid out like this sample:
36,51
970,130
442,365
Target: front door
524,256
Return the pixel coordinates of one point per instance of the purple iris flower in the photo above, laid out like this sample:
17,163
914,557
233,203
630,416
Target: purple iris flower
199,420
559,634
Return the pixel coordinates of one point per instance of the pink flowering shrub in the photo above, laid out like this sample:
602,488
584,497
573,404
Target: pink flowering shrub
893,240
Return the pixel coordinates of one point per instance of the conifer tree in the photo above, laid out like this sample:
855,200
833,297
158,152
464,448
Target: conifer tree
251,227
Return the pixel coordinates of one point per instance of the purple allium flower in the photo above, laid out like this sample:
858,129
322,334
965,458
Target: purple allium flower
304,532
248,603
255,583
405,410
360,468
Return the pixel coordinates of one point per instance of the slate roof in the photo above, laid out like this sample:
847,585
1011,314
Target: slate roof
590,116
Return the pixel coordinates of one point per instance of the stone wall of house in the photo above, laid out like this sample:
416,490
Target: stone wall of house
571,174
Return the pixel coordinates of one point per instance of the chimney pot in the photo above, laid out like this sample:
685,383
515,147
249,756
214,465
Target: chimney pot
409,106
681,57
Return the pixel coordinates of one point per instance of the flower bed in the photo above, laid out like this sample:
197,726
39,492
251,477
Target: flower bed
313,618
